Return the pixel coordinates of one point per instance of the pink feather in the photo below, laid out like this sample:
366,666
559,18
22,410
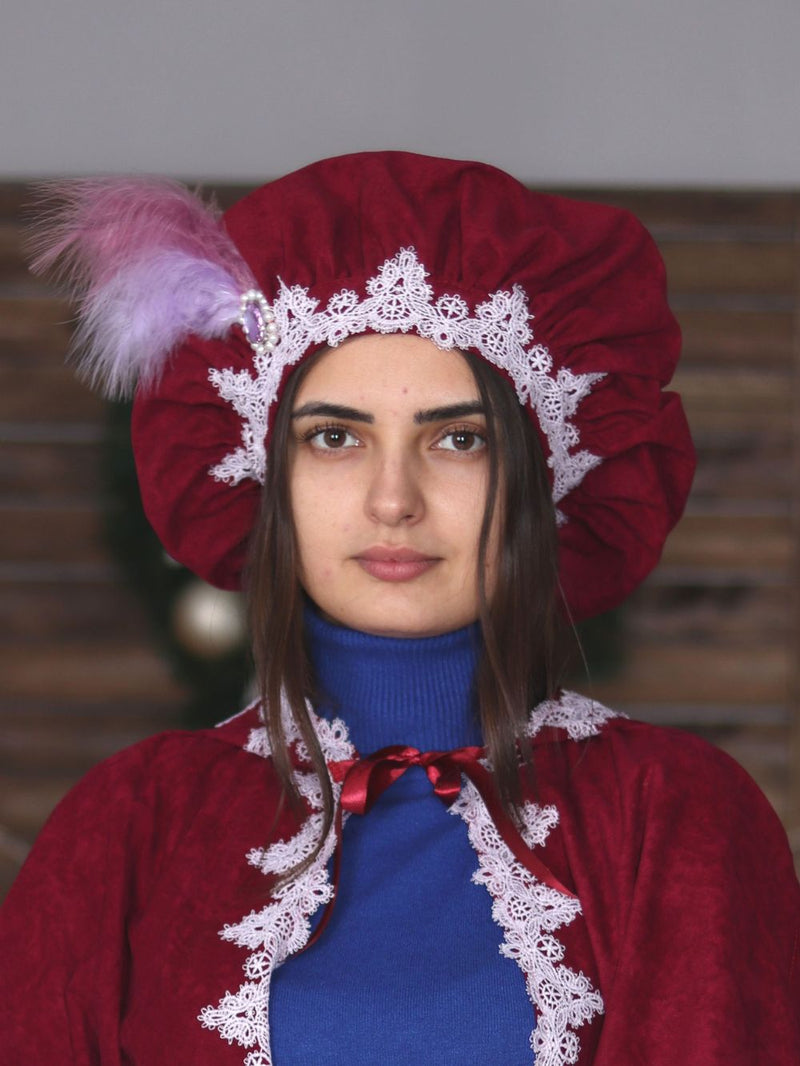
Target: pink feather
147,262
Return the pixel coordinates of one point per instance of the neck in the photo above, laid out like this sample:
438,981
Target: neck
415,691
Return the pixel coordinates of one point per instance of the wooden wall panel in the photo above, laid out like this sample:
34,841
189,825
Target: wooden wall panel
709,642
79,674
721,336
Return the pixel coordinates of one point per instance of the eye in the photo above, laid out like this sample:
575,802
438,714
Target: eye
462,439
331,438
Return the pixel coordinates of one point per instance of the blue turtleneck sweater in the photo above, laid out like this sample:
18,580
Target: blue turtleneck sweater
408,969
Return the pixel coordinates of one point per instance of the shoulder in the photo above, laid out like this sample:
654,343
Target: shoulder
617,779
626,751
143,800
686,883
120,859
656,800
177,801
170,762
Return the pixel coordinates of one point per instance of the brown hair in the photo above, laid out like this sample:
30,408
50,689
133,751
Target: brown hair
519,621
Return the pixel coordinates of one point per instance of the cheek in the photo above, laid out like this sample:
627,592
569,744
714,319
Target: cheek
321,543
460,508
326,506
311,511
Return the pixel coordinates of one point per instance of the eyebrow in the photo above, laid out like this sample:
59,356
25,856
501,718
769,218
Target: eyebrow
453,410
333,410
352,414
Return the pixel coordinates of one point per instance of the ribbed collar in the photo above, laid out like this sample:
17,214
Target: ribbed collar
415,691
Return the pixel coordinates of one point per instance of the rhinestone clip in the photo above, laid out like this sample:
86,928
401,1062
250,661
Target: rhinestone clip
257,320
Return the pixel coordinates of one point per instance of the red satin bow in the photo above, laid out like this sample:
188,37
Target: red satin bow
365,780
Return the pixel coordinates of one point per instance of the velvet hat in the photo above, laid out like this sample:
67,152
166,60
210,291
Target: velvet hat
207,316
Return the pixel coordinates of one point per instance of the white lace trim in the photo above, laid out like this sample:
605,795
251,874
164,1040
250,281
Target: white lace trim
283,927
399,299
579,715
528,912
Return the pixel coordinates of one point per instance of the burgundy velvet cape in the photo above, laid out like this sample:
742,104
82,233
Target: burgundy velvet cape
109,942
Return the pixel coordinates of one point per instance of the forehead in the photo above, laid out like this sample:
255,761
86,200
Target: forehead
395,368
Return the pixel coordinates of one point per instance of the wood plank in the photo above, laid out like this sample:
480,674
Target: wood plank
34,329
732,615
751,543
12,266
70,533
60,672
60,572
751,391
38,744
667,209
726,267
49,472
13,196
712,420
752,468
78,613
763,339
127,714
46,393
712,720
687,673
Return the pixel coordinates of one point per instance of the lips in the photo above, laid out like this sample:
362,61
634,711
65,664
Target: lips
395,564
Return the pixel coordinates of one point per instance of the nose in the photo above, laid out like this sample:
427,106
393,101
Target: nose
395,493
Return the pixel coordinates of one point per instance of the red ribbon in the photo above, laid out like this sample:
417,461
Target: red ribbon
365,780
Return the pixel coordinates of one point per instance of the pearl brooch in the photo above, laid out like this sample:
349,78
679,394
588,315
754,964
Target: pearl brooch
257,320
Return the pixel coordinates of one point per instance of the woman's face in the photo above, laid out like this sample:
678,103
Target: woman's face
388,478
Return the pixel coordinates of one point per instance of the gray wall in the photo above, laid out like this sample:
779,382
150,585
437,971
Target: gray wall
560,91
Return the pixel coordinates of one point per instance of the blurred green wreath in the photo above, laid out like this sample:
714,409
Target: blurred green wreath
200,630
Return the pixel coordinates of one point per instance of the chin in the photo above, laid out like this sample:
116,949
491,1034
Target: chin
401,624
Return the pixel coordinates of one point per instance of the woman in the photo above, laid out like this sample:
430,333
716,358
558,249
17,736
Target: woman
451,391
